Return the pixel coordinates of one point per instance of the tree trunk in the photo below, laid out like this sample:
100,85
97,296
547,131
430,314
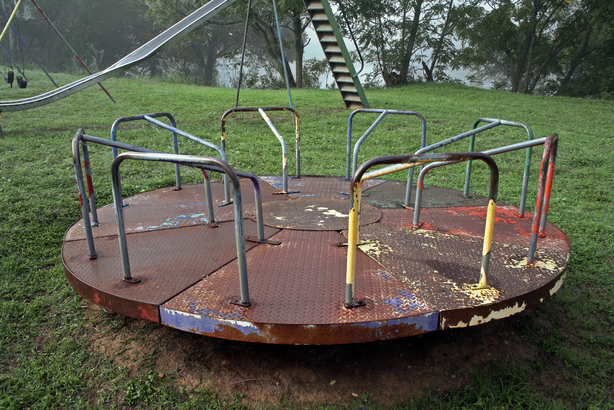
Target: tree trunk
575,62
409,50
521,63
439,46
211,55
429,73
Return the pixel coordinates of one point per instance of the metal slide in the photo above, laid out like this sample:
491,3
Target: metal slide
142,53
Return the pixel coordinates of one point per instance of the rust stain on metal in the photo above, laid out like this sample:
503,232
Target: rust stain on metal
167,261
469,221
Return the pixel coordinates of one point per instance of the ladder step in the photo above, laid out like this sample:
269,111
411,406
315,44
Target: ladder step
332,48
340,68
354,106
336,58
348,88
344,79
323,27
352,97
315,5
328,38
317,16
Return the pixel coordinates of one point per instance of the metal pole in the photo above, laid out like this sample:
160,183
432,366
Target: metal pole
8,23
24,44
249,10
14,63
283,58
71,49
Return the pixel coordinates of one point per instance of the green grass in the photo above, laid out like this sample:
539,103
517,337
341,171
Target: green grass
45,357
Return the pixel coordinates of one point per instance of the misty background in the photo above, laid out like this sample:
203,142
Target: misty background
545,47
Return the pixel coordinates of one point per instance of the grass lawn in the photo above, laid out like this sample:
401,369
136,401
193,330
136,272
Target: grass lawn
46,357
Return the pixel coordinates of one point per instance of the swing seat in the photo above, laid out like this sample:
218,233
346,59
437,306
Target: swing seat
9,78
21,83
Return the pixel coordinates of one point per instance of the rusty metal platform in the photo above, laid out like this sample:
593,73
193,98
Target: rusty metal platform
413,281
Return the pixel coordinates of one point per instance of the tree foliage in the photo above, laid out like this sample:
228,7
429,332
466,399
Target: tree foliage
528,46
398,36
100,32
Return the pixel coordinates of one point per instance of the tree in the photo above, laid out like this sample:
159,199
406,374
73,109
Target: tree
195,57
396,35
525,42
100,32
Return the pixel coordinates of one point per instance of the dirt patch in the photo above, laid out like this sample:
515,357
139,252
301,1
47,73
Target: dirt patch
387,372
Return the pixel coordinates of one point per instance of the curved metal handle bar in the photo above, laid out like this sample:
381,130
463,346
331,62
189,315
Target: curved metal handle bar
383,113
284,148
83,138
398,163
203,162
173,129
544,188
142,117
527,163
159,43
441,144
80,137
494,151
206,144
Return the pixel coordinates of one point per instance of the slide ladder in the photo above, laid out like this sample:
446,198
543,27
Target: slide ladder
336,52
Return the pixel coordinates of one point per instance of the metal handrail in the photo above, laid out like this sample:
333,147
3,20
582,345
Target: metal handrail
539,224
83,138
284,148
354,155
527,164
491,123
399,163
209,163
174,132
542,203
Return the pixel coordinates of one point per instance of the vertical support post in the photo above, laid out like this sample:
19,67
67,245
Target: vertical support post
549,179
209,198
240,240
298,144
418,201
486,249
541,193
353,238
81,186
119,214
525,181
468,173
90,184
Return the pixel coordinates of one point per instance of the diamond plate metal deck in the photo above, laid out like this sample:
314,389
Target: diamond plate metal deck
413,282
166,261
297,298
318,186
314,214
167,208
